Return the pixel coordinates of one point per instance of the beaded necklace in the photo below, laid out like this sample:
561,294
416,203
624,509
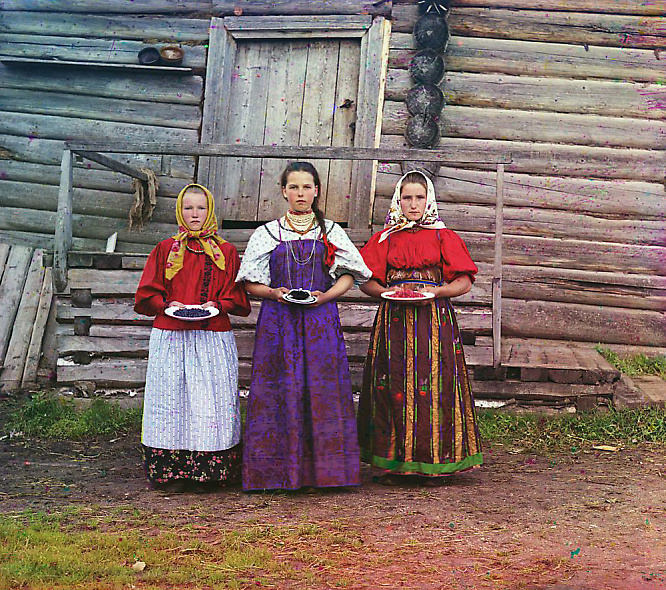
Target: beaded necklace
301,223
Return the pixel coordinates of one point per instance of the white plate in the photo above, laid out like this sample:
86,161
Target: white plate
391,296
309,301
212,312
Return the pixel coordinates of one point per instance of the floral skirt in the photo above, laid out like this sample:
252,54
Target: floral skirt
165,465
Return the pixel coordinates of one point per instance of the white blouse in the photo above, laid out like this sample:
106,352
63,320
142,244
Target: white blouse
255,262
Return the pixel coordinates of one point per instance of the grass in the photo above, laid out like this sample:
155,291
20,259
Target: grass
635,364
571,432
48,417
79,548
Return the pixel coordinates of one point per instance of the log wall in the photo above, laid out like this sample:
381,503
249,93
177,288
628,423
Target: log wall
106,96
575,94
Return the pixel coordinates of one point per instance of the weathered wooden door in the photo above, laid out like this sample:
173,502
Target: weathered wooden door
298,88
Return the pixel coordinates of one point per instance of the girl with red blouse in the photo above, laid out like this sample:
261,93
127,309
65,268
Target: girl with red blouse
191,418
416,414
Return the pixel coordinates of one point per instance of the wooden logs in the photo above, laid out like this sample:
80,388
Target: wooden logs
427,67
431,32
422,132
425,99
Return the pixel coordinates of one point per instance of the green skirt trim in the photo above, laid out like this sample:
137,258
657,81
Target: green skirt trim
421,468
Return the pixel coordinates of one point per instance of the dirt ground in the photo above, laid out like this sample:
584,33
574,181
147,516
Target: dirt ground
581,521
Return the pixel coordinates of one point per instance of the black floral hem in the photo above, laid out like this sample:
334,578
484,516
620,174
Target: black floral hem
167,465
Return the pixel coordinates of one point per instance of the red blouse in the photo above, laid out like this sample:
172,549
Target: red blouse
198,281
419,249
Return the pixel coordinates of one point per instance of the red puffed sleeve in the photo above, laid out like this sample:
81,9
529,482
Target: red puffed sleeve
232,297
456,260
150,298
375,256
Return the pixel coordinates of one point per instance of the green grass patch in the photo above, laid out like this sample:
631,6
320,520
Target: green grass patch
573,431
79,549
45,416
635,364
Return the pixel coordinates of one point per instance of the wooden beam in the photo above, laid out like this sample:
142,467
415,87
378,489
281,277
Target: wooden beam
442,154
301,7
63,234
112,164
159,7
497,271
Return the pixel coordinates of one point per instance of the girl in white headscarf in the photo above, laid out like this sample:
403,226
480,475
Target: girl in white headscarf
416,414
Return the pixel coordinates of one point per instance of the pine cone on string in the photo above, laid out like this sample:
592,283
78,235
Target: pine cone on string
440,7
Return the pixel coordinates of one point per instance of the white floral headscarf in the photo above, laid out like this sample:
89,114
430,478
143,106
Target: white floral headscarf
396,220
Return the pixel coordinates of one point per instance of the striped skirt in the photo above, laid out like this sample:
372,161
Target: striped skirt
191,406
416,413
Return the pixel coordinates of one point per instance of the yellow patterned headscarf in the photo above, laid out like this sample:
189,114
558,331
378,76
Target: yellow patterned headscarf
206,236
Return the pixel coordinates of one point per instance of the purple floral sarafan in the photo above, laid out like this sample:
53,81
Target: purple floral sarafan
300,427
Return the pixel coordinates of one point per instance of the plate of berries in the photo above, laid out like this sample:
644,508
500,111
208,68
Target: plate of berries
407,295
191,313
300,296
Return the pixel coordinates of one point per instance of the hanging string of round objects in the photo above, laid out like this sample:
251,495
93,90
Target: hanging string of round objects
425,99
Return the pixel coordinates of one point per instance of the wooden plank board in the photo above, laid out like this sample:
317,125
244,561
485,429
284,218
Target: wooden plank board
338,194
284,108
356,316
34,353
21,335
372,84
498,91
527,58
614,30
120,85
519,125
119,51
89,178
633,7
301,7
116,7
105,109
125,282
118,26
55,127
560,160
245,124
547,319
46,241
556,392
599,197
319,103
11,287
85,226
292,27
547,223
4,254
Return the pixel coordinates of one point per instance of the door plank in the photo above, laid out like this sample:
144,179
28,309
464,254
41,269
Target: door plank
247,116
344,119
318,103
283,119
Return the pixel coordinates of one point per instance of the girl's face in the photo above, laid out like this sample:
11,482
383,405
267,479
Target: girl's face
195,209
300,191
413,200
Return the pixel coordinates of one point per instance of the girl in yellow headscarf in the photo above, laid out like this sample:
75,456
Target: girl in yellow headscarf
191,417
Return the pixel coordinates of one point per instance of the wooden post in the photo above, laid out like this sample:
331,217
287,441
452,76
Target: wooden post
497,269
63,230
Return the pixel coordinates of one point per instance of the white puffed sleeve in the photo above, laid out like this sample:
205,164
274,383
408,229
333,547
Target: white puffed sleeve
255,264
348,259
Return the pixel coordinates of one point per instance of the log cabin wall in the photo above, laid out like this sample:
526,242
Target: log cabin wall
107,96
574,91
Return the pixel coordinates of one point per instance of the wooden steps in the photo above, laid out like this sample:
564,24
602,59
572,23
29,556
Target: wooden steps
104,343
